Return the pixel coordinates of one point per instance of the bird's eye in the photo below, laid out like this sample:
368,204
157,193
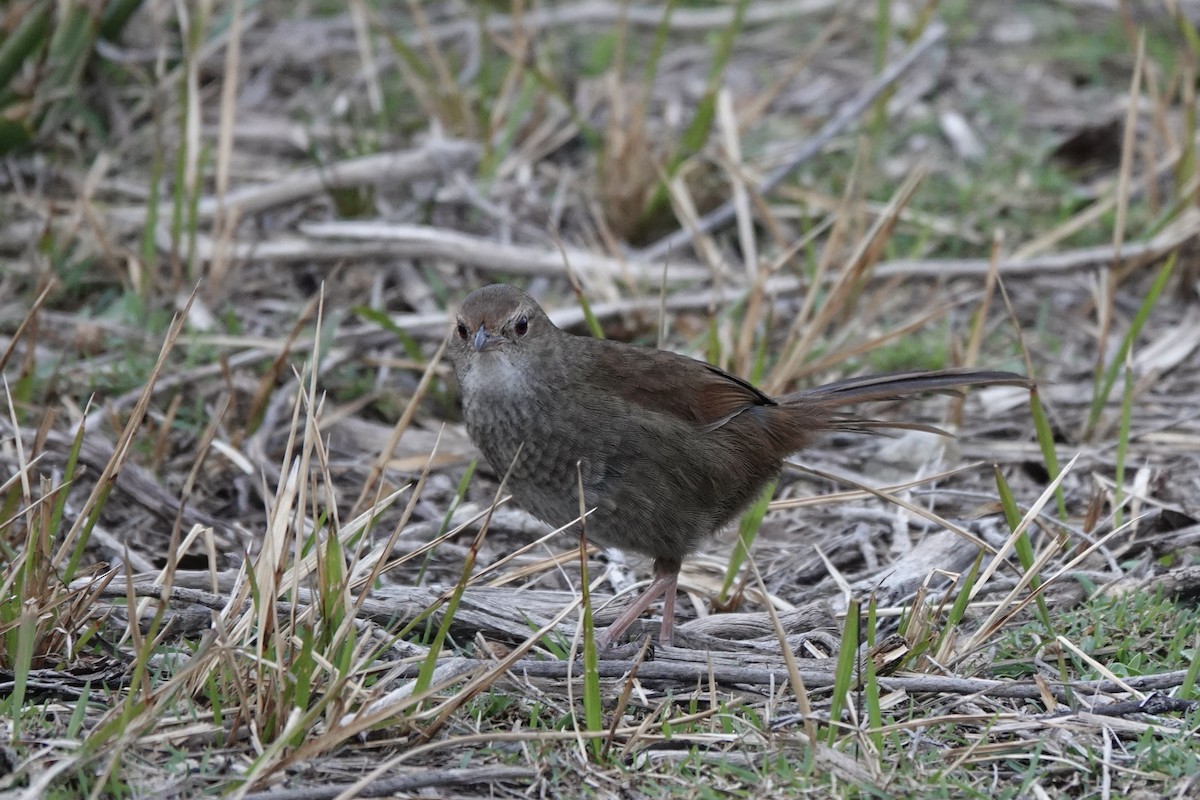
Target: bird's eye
522,325
462,331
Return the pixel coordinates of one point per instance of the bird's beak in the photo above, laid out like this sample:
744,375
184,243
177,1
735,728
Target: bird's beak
484,340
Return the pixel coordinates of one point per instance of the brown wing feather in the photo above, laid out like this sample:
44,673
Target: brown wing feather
669,383
709,397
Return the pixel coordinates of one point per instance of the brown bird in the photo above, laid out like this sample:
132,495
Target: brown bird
670,449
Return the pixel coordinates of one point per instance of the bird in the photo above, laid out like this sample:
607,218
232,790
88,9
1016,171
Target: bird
669,449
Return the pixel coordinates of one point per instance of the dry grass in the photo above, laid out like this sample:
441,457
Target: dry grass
246,547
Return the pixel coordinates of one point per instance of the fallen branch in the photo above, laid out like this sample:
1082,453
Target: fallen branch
435,158
419,241
689,666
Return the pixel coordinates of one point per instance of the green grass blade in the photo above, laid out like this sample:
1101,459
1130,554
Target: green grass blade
1123,447
1188,687
1023,547
593,703
31,35
460,493
698,130
959,609
115,15
26,636
425,675
1045,437
85,534
747,532
589,317
843,678
883,33
661,32
1105,383
60,501
871,682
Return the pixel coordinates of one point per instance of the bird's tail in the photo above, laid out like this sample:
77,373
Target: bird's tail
830,397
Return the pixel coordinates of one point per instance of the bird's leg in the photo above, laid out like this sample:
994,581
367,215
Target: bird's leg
666,575
670,581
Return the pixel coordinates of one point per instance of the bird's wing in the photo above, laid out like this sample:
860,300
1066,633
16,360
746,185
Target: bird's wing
668,383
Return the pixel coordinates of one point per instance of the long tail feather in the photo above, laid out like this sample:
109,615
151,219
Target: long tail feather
873,388
824,402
